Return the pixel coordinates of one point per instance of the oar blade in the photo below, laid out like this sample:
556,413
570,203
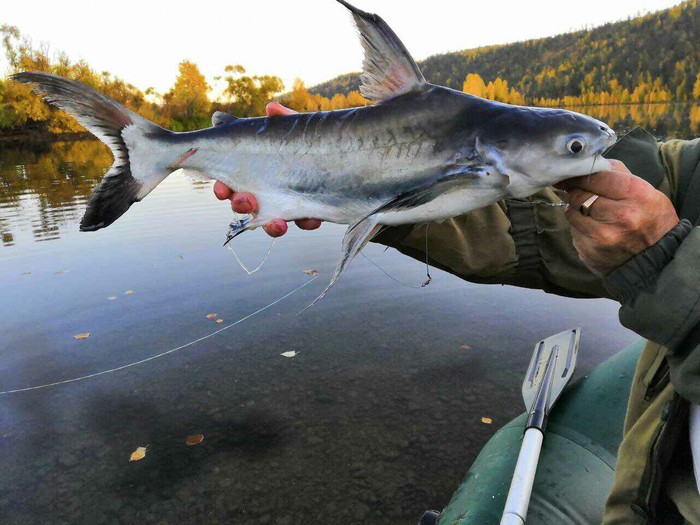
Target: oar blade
564,346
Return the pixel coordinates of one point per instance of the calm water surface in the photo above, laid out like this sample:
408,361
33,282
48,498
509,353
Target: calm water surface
376,418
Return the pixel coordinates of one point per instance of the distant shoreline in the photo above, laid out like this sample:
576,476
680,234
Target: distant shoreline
36,137
20,138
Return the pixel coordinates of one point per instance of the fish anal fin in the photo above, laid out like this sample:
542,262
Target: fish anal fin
454,177
388,68
356,237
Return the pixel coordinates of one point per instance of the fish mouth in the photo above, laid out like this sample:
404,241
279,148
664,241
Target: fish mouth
599,155
610,141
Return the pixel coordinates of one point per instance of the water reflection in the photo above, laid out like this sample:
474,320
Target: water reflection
45,189
663,120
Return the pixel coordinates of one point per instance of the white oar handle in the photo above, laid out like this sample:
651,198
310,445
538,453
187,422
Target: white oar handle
521,487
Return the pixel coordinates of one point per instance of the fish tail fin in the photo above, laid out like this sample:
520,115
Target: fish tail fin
131,176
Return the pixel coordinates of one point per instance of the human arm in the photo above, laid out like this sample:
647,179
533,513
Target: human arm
659,289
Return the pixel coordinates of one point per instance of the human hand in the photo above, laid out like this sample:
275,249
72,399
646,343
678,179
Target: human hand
628,217
243,202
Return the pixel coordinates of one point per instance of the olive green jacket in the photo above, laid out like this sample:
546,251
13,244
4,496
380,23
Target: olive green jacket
526,242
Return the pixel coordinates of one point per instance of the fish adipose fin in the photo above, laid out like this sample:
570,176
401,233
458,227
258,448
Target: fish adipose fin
126,181
356,237
388,68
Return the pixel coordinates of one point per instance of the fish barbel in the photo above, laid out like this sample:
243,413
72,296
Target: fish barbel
421,153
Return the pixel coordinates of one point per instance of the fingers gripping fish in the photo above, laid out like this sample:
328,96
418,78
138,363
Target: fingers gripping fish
421,153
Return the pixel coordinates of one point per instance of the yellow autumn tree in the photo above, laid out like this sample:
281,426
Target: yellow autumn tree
322,103
339,101
248,95
498,90
299,97
696,88
474,85
515,97
188,101
356,100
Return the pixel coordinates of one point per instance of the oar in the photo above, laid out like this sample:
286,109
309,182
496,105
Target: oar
551,368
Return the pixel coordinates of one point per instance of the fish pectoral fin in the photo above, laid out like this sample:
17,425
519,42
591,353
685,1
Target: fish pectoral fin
219,118
455,177
356,237
388,68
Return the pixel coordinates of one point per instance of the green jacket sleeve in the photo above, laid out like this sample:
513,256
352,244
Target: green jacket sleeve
521,242
659,289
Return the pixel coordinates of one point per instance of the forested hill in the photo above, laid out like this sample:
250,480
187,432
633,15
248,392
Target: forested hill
644,61
662,47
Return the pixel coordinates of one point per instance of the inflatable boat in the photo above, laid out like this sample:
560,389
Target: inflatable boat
577,462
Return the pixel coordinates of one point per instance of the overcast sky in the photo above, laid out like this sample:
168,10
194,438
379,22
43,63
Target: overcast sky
143,41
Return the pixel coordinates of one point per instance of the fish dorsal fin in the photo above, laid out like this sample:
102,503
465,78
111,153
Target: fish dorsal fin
388,68
219,118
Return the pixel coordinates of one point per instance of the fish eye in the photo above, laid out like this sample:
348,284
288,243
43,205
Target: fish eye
576,145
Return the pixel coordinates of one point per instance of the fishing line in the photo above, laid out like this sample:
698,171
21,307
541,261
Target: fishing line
390,276
427,259
262,263
560,204
173,350
424,284
595,158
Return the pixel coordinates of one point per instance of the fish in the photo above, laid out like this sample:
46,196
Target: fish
420,153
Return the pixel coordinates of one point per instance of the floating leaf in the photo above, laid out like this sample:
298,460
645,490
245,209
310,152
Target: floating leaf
219,320
311,272
211,316
289,354
128,292
112,298
138,454
486,420
84,335
194,439
466,347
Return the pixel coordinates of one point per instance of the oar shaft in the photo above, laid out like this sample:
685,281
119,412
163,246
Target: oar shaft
524,477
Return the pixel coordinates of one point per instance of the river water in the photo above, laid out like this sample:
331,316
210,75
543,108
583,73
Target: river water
376,418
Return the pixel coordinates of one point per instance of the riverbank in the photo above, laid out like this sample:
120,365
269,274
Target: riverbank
21,138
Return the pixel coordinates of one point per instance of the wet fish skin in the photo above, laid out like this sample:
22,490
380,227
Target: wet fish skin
421,153
340,166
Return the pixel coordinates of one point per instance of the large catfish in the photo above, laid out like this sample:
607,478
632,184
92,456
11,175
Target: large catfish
420,153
